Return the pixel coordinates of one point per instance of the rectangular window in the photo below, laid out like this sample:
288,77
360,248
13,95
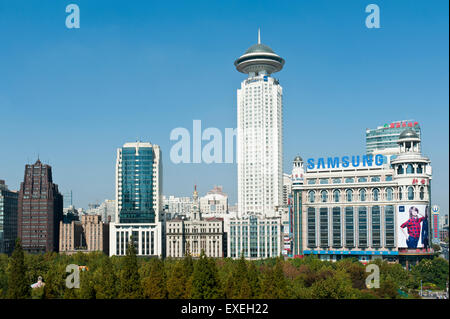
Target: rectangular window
349,228
362,227
376,227
311,227
323,227
389,226
337,227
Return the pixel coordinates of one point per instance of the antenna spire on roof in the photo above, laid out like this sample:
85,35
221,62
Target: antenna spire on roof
259,36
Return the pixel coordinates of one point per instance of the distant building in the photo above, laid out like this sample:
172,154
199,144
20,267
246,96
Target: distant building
138,201
40,210
106,209
8,218
67,199
89,234
214,202
383,139
194,234
70,213
177,205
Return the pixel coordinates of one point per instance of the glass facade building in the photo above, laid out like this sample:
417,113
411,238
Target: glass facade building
8,218
138,201
385,138
255,237
136,198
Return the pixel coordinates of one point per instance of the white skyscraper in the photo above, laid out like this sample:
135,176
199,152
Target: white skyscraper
260,130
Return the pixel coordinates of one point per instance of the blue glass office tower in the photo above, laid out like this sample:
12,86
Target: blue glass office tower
138,200
135,179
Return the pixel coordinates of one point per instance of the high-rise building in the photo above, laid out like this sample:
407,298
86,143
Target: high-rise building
259,132
40,209
8,218
383,139
138,200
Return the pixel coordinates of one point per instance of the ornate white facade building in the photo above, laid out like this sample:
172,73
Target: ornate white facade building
357,206
194,234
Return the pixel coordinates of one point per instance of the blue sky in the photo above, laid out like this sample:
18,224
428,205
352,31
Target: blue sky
138,69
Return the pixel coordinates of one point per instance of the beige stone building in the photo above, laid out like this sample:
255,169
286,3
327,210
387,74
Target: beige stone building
89,234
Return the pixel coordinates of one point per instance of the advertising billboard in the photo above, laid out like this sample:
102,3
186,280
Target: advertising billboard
412,221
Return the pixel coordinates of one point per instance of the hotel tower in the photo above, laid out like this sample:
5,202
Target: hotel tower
259,132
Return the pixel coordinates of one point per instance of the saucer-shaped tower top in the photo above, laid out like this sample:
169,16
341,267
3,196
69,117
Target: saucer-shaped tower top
259,58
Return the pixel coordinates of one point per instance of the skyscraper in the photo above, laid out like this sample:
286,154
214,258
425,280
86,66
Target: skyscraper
40,209
260,130
8,218
138,200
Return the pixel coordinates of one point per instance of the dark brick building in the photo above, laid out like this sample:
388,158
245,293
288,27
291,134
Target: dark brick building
40,210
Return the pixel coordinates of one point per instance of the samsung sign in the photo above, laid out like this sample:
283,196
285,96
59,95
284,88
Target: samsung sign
345,161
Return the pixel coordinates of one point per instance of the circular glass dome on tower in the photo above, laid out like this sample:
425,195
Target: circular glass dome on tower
259,58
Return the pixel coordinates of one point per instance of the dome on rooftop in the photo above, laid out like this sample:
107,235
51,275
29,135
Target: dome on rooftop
259,47
408,134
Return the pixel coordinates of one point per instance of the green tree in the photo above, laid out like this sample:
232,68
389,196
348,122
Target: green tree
253,280
337,286
130,286
205,281
433,271
177,282
274,284
106,282
154,281
238,285
18,287
55,282
86,290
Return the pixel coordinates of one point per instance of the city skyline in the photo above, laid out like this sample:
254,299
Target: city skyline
78,124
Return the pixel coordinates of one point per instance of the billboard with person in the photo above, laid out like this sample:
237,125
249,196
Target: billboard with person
412,221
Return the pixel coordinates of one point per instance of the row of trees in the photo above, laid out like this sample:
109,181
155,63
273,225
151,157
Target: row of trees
208,278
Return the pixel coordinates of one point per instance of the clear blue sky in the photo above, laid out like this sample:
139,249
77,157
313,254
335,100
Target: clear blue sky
138,69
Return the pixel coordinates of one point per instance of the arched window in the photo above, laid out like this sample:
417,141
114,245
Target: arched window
400,170
324,196
422,193
349,195
311,196
362,195
419,169
336,196
376,194
389,193
409,169
410,193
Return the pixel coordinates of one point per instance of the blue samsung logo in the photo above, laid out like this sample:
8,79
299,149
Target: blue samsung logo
345,161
